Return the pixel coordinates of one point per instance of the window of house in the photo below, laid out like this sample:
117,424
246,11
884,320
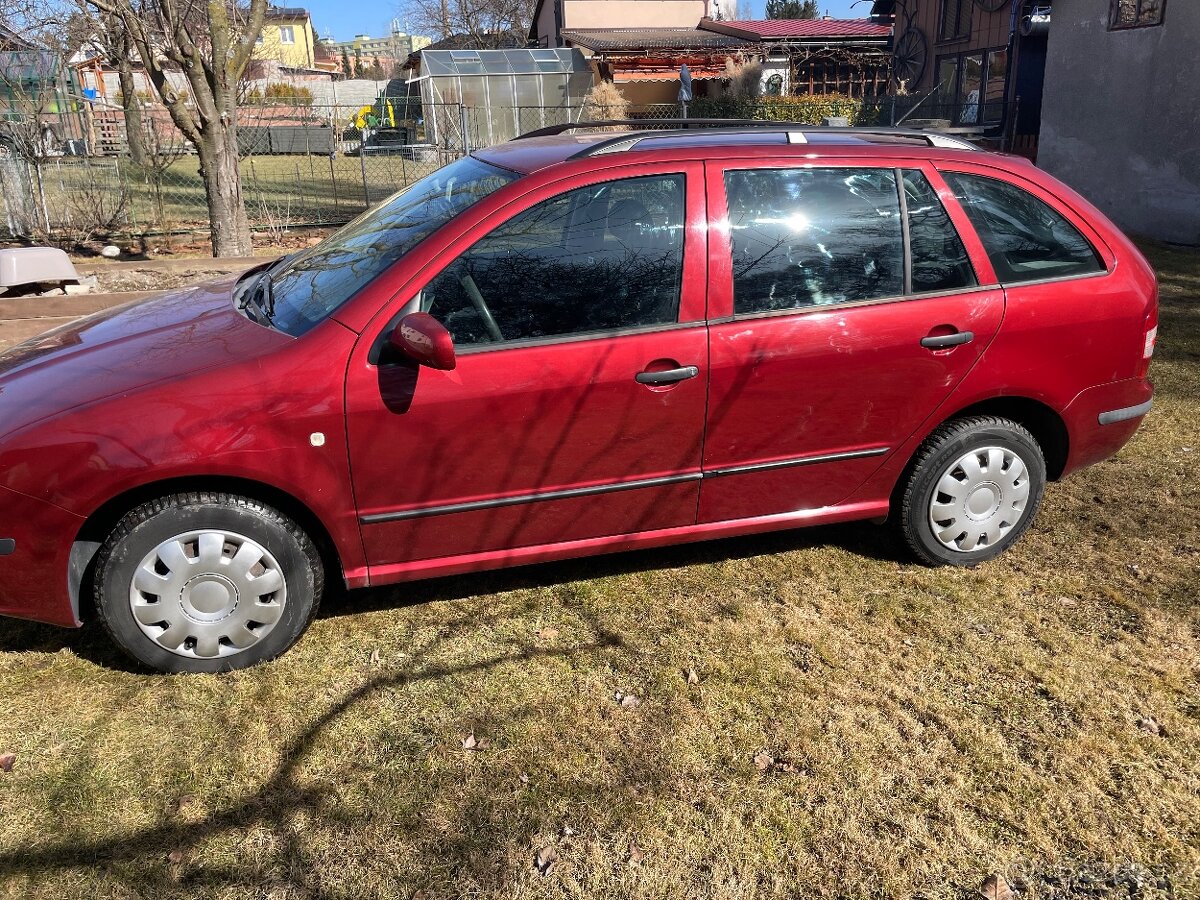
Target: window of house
1136,13
970,83
972,87
955,21
813,237
600,258
1024,238
938,258
994,85
287,34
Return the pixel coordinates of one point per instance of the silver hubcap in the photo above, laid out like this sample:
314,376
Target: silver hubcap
979,499
206,594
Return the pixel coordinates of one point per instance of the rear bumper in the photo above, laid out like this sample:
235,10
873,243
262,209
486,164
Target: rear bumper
1113,416
33,576
1102,419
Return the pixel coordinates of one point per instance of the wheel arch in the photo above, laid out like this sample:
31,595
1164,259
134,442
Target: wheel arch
1041,420
100,523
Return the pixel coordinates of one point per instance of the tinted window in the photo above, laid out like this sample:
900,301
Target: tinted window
810,237
315,282
599,258
939,259
1025,239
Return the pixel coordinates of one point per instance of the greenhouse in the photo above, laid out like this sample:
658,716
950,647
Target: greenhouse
491,96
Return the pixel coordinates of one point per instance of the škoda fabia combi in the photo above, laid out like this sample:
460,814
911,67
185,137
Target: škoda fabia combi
573,344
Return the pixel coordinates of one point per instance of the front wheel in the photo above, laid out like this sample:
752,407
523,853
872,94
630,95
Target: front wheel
206,582
974,488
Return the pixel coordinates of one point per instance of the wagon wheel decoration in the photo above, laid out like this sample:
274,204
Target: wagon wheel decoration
991,5
910,56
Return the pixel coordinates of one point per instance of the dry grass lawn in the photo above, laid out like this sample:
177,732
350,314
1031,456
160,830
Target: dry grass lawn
915,729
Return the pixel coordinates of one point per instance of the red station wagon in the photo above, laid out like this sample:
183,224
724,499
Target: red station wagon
571,344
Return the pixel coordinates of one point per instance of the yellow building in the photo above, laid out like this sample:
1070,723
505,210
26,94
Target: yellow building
287,38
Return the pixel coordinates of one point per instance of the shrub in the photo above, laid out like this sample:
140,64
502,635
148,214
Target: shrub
605,101
807,109
279,94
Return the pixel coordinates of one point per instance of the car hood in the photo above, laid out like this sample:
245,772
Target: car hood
126,348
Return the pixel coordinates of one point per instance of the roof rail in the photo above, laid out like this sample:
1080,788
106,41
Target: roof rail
652,129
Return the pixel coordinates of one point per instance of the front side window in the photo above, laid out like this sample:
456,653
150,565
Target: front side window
287,34
939,259
1136,13
812,237
1024,238
600,258
308,287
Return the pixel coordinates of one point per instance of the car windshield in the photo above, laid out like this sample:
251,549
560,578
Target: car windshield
308,287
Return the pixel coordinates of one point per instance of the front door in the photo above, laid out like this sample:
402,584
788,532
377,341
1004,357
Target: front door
851,310
576,410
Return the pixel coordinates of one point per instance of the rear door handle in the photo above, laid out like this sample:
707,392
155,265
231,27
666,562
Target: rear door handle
942,341
667,376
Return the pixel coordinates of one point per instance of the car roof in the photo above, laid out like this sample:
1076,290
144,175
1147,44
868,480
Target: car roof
537,151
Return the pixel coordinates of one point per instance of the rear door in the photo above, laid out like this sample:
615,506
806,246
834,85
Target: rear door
847,301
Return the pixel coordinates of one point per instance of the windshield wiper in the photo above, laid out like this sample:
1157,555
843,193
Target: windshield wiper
259,286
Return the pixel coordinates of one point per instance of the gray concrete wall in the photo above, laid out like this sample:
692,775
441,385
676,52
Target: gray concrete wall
1121,116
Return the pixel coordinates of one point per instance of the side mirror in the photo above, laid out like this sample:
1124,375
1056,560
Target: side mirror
422,338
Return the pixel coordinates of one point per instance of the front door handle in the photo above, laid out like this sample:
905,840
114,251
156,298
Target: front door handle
667,376
942,341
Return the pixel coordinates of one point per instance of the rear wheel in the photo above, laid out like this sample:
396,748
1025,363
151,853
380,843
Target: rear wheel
206,582
973,490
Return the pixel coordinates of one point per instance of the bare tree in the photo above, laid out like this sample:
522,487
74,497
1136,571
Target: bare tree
211,43
487,24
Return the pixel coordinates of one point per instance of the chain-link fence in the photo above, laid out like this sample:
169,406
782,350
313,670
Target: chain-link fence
301,164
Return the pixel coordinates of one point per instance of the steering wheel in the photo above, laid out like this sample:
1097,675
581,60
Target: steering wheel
481,307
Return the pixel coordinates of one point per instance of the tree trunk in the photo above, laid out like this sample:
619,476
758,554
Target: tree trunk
134,137
230,228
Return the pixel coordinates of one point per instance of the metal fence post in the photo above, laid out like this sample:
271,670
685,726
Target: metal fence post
362,164
462,120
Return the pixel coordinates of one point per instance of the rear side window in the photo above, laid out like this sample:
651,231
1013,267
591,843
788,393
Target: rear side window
1025,239
939,259
812,237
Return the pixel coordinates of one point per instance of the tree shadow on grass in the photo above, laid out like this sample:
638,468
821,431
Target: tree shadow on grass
169,855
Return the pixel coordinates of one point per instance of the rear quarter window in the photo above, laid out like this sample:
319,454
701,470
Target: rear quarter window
1024,237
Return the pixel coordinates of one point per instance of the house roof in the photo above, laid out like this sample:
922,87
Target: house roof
287,12
599,39
505,41
799,29
12,40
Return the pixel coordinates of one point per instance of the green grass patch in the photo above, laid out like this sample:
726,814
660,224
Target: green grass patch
280,191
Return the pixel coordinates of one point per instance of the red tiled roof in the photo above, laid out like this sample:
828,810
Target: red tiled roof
802,28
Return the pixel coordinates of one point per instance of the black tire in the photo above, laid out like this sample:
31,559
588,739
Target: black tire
294,558
946,446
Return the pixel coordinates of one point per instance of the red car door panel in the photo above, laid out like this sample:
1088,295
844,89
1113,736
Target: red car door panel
805,404
847,383
509,426
549,439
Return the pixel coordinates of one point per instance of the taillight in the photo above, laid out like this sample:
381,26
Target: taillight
1151,338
